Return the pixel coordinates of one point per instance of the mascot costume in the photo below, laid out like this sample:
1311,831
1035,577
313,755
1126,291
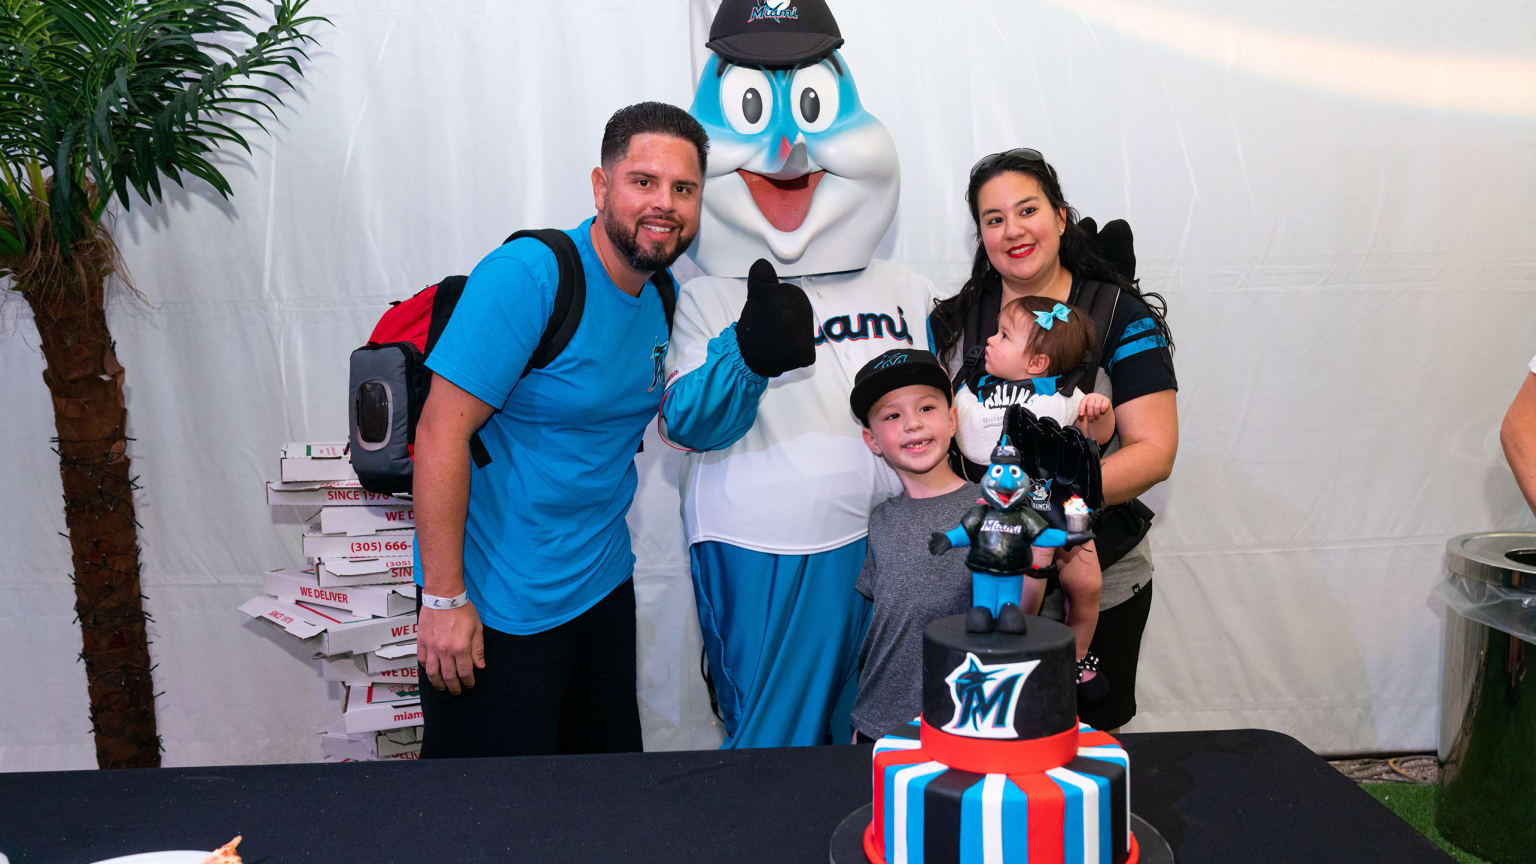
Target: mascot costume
778,487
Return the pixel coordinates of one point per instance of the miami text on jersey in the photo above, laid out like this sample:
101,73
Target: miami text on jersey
872,325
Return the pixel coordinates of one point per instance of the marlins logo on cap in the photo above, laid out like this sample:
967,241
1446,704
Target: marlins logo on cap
896,368
773,32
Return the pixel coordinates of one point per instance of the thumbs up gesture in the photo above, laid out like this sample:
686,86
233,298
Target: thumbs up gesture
776,330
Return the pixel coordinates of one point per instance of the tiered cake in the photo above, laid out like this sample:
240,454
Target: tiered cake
997,768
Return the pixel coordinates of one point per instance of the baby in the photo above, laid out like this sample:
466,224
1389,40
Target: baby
1038,341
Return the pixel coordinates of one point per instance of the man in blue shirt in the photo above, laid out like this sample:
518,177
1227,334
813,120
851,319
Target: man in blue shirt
527,627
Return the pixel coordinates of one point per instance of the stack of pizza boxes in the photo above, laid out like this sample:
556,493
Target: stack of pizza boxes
353,601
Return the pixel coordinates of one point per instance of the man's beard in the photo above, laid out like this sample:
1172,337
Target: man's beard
626,240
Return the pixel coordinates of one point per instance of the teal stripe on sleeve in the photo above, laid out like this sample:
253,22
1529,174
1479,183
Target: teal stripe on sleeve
1130,349
1140,325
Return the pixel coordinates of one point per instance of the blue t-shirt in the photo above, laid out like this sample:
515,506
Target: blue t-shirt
545,537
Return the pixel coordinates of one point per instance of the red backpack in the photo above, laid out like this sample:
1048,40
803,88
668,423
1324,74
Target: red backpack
389,380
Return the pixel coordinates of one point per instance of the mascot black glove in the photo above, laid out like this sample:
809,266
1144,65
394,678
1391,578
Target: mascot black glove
776,330
1114,243
1061,462
938,544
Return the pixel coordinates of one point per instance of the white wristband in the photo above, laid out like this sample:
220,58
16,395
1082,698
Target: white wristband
432,601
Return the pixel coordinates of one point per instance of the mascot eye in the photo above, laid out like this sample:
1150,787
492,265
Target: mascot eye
1016,473
997,470
814,94
744,99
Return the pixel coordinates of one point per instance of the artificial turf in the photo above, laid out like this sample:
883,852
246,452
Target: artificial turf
1416,806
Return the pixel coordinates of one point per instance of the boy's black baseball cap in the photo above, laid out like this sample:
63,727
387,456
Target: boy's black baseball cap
896,368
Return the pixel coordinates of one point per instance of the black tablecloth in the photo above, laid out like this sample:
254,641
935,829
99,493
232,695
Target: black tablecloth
1232,796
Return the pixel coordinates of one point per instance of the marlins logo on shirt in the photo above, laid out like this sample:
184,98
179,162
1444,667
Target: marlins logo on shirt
658,365
986,697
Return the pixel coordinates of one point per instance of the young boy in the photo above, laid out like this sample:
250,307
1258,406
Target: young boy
903,400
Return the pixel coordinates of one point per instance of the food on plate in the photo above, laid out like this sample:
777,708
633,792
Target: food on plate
225,854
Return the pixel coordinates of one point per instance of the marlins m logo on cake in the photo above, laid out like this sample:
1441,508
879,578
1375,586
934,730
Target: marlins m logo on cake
986,697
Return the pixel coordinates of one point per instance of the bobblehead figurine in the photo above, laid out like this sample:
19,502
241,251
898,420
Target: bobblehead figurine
1043,488
778,486
1001,530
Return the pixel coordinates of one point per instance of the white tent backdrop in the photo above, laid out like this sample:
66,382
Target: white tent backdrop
1335,199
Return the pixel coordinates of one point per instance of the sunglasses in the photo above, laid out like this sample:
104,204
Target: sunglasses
1027,154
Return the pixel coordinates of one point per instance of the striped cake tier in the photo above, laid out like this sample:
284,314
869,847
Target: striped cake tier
1077,811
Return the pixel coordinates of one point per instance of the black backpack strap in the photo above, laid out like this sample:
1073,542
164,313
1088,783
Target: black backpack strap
449,290
667,290
570,296
477,450
444,300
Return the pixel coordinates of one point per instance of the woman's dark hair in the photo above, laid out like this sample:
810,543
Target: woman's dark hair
1077,254
1065,343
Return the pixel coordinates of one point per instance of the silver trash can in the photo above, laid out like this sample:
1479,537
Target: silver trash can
1486,803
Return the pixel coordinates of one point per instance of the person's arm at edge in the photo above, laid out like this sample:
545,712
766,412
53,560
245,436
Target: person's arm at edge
1517,434
1149,441
449,642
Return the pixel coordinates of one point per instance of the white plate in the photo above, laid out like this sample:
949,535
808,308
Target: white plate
172,857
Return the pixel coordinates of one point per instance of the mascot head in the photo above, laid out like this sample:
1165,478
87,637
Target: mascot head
1000,485
798,173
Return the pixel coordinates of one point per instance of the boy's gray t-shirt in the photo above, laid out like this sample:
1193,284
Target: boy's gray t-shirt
910,589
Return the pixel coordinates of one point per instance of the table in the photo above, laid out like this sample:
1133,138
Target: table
1229,796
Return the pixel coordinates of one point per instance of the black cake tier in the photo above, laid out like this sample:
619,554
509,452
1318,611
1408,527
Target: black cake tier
1002,686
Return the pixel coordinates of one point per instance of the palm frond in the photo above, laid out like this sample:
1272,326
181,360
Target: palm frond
120,95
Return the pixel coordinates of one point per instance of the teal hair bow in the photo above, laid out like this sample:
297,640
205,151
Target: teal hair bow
1047,320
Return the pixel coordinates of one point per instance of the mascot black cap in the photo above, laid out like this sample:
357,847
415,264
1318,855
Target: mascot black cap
1005,454
773,32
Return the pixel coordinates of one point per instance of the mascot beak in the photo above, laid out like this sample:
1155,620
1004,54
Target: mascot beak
796,162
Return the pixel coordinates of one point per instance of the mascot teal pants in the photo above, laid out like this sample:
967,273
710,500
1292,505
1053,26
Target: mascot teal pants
783,634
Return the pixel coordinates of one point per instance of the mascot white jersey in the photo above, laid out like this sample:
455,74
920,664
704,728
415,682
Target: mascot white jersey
778,487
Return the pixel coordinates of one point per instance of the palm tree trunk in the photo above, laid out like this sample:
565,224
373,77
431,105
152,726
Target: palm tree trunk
86,384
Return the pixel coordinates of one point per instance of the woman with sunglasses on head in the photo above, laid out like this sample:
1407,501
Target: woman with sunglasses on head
1030,242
